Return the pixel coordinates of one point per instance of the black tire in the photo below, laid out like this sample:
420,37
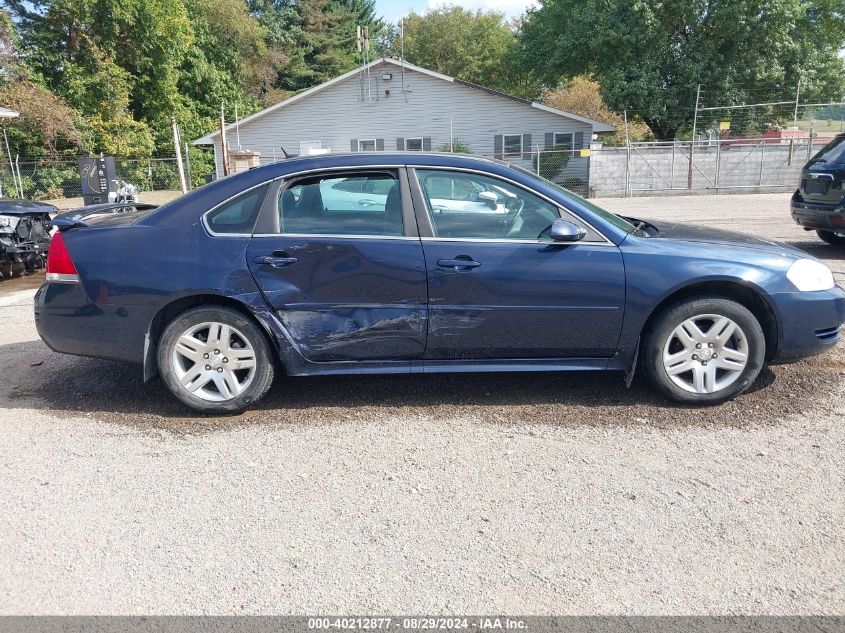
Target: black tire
660,335
244,329
834,239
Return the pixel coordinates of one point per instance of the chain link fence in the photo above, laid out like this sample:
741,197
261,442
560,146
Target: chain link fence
740,165
43,179
656,168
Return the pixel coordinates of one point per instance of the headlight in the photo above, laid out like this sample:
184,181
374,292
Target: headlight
8,223
808,275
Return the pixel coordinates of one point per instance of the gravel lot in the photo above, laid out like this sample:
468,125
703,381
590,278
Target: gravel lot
529,494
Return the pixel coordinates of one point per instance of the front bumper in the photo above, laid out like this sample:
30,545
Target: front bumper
816,215
808,322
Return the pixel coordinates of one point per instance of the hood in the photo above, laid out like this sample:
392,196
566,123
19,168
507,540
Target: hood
706,235
14,206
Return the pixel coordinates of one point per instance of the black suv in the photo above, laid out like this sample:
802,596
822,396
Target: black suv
819,202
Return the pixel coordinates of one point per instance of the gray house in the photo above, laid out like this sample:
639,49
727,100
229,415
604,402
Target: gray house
393,105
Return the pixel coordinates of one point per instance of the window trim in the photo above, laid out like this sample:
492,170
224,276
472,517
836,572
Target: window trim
571,143
367,140
505,153
414,138
409,218
419,202
207,226
412,200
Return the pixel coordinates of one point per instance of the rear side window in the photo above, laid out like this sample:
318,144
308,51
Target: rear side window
833,152
343,204
238,215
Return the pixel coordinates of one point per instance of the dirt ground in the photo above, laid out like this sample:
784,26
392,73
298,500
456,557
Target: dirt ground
534,494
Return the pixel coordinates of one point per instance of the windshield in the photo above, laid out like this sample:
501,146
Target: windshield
833,152
612,218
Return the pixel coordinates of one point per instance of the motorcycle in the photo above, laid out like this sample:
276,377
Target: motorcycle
126,192
24,236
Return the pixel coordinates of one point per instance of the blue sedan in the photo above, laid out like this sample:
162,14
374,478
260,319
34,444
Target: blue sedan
419,263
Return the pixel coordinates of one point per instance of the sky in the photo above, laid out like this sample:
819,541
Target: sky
392,10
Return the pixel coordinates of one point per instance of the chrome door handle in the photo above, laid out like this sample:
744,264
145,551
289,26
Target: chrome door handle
275,262
461,263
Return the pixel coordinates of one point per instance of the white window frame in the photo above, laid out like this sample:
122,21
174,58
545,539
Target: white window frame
505,151
571,142
306,146
367,140
415,138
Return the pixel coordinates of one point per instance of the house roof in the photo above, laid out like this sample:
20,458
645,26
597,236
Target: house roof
208,139
5,113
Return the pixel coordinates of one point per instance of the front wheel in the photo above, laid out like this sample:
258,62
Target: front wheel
215,360
704,351
834,239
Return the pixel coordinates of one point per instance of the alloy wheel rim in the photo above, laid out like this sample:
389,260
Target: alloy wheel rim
705,354
214,361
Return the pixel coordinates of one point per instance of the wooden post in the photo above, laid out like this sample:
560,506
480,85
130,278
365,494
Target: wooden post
224,151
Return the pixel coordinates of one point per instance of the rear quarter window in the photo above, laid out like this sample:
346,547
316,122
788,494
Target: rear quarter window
238,216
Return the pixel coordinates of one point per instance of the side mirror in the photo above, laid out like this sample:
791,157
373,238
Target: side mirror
490,198
565,231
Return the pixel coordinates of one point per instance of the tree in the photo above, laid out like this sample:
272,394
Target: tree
581,95
46,125
475,46
649,57
317,36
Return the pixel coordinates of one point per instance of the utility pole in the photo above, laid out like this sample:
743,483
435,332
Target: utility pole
692,142
178,147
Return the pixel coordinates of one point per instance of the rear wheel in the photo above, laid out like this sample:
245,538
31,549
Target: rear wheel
704,350
215,360
832,238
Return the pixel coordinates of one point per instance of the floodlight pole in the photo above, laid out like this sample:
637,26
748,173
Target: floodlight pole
692,142
177,146
794,121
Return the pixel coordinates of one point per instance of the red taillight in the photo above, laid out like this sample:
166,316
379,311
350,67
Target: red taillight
59,264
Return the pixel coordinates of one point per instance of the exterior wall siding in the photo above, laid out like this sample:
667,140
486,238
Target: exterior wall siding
337,115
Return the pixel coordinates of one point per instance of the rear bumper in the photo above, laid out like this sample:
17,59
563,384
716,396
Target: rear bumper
817,216
809,323
71,323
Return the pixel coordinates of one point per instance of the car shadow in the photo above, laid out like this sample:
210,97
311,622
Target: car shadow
817,248
68,386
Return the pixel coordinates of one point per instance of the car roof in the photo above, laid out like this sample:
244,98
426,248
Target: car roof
376,158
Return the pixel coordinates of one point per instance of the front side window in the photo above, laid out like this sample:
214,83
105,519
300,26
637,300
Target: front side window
513,144
475,206
238,215
607,216
367,145
343,204
414,144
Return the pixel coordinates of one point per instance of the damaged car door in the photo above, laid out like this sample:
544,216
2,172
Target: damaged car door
348,281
